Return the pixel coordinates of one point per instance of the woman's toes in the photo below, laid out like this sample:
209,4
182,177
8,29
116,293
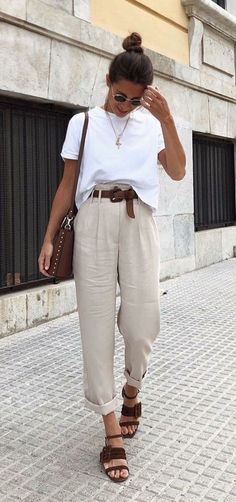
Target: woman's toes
130,429
124,430
124,473
111,474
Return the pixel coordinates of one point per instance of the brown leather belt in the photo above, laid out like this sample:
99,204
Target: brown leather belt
116,195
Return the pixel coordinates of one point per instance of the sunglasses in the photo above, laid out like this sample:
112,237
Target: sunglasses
121,99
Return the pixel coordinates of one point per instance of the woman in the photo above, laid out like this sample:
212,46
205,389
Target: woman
116,237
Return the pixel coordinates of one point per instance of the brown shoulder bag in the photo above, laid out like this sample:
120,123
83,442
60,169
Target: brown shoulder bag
63,244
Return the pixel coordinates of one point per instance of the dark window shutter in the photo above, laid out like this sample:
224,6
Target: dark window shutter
31,138
214,182
221,3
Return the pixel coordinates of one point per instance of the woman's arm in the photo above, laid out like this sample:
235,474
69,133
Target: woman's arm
172,157
61,204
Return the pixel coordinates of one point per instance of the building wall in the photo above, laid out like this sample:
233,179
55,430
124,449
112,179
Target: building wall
50,51
163,25
231,7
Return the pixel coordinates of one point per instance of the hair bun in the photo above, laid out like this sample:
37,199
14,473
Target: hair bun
133,43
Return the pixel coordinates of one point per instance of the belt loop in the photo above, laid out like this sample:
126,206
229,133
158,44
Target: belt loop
99,196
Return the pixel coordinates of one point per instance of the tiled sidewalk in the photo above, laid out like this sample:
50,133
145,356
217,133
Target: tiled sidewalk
185,449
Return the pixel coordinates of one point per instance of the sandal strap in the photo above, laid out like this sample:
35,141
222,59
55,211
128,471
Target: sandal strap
111,453
117,467
115,436
128,397
126,424
134,411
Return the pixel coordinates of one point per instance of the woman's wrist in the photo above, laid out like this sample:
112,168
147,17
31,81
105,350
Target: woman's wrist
48,239
168,118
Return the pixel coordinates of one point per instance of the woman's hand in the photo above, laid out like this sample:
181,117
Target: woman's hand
45,257
157,105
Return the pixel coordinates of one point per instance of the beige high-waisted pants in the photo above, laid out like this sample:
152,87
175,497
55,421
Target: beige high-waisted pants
109,247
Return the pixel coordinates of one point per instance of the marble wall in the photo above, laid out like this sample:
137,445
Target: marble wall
231,7
61,58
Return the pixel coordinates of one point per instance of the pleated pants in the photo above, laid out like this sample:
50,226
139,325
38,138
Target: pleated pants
109,247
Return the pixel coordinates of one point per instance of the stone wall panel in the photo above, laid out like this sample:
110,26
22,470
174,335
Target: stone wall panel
25,69
231,7
176,197
218,52
55,21
208,245
14,8
66,5
177,266
218,116
165,226
73,74
100,89
231,126
189,107
25,309
195,42
228,242
184,235
13,313
82,9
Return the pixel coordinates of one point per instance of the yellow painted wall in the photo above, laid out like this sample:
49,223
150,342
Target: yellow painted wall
162,24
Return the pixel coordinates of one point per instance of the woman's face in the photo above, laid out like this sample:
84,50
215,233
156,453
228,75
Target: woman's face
127,89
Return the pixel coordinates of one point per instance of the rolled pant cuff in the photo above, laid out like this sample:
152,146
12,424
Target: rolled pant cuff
134,383
102,409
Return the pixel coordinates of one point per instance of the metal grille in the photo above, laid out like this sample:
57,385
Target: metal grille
221,3
214,182
31,137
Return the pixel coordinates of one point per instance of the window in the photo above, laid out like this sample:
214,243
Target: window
214,182
31,137
221,3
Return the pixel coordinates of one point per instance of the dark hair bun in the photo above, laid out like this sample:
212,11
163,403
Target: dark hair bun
133,43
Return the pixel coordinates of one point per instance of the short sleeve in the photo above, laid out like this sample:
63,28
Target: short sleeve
71,145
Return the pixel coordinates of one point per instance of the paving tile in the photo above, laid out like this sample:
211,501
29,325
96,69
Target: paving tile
185,448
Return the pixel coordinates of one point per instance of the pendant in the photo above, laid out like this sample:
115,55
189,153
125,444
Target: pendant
118,143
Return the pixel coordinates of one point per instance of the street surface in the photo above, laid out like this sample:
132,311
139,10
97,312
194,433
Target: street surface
185,449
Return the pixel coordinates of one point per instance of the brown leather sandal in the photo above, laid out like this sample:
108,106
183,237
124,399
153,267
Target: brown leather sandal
110,453
128,411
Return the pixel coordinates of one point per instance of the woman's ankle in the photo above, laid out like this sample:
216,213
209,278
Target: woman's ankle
111,424
131,391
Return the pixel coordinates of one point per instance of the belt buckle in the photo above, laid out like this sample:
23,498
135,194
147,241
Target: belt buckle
113,197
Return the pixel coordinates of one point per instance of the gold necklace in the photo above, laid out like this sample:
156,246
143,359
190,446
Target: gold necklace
118,136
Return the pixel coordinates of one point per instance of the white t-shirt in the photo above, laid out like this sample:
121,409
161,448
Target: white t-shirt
133,163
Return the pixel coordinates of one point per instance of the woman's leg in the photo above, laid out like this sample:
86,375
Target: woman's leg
112,428
95,269
139,313
95,272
